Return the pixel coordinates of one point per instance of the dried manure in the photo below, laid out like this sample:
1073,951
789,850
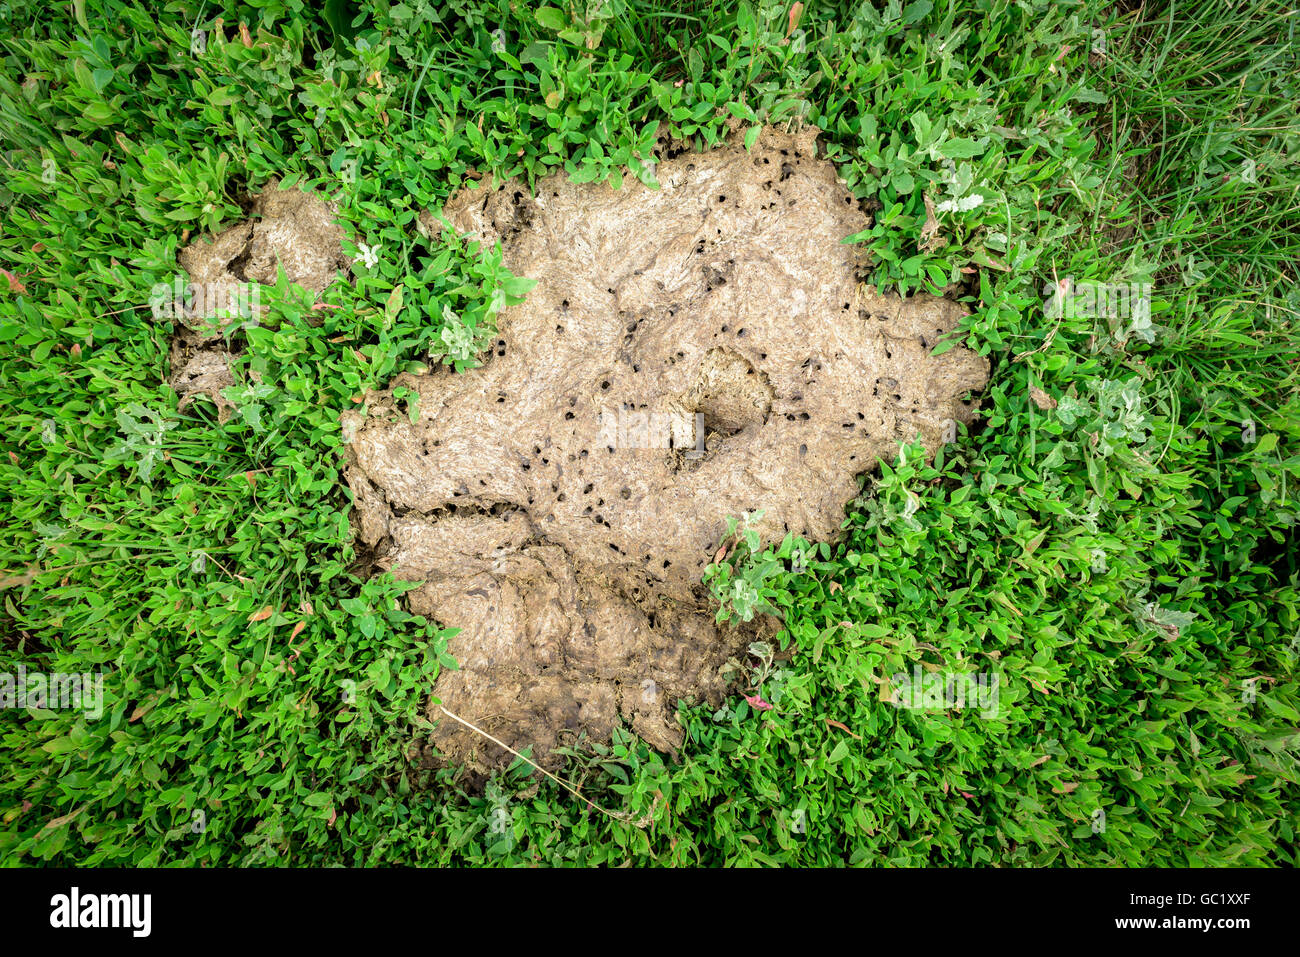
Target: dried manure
289,229
688,354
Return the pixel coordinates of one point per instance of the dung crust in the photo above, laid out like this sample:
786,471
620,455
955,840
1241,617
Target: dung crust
688,354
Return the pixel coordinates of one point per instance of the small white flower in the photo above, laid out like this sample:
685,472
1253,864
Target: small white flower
369,255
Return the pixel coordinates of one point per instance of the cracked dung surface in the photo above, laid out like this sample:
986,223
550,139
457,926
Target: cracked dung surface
530,497
291,228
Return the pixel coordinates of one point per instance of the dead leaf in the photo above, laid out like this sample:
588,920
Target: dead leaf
796,10
297,630
261,615
14,284
1041,398
844,728
60,821
143,708
930,238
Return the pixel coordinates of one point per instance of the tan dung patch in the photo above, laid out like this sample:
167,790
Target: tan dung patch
288,228
688,354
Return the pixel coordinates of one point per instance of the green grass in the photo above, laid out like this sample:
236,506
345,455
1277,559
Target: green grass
1125,562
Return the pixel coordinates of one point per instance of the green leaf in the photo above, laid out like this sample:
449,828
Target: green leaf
551,18
961,148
